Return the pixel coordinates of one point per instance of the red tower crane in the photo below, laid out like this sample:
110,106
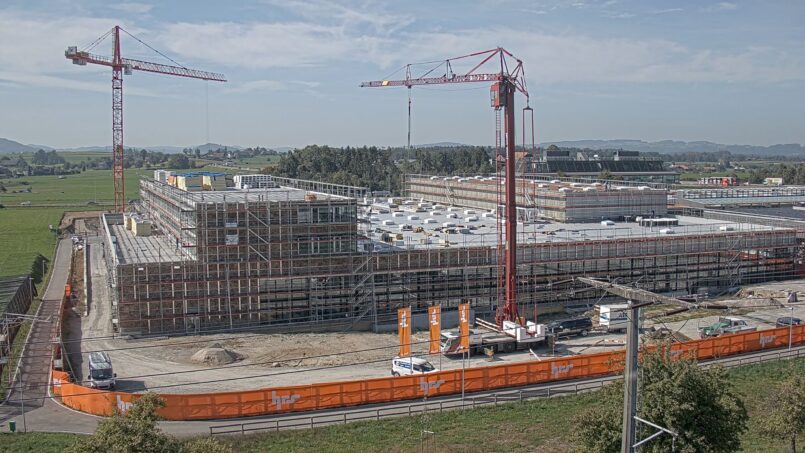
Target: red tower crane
125,66
508,78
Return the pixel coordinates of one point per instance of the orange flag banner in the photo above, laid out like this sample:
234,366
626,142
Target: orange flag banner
435,322
404,330
464,325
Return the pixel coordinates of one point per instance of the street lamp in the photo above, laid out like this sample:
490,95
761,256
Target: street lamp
790,328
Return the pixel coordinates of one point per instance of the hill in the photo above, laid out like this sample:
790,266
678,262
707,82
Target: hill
10,146
675,147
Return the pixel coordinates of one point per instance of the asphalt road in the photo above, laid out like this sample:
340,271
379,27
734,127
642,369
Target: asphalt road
29,389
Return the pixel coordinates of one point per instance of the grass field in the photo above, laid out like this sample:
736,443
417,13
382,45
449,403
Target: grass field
23,234
541,425
24,230
74,190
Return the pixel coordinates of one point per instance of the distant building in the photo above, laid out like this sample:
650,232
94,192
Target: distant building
724,181
773,181
643,170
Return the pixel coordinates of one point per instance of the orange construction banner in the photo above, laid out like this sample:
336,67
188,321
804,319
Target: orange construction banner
464,325
404,330
435,321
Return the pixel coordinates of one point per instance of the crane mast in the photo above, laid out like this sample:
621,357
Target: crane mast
121,66
506,82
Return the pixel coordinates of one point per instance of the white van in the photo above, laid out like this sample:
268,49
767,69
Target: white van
404,366
613,317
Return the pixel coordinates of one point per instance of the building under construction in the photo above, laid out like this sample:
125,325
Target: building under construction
308,255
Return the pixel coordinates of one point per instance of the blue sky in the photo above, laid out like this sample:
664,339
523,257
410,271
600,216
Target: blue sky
730,72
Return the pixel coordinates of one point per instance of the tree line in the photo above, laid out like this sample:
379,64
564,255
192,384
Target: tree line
376,168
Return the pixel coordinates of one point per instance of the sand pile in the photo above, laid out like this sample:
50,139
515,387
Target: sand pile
215,354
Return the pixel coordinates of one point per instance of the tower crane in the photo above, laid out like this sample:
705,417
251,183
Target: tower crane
507,79
121,66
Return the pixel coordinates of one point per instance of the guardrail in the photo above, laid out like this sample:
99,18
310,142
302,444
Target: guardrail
407,410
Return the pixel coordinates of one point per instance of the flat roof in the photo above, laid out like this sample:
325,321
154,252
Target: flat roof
483,230
277,194
553,186
788,212
143,249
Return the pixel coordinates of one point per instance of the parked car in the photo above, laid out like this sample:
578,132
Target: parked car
404,366
786,321
726,325
574,326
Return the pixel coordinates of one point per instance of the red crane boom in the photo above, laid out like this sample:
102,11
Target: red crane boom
506,82
125,66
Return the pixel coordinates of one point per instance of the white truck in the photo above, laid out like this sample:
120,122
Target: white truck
613,317
101,375
511,338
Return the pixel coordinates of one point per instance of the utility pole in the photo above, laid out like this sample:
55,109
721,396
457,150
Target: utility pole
630,419
630,378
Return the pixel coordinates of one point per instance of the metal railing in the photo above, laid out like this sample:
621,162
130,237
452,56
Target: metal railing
407,410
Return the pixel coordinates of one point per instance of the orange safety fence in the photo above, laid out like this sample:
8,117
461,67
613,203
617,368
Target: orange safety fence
378,390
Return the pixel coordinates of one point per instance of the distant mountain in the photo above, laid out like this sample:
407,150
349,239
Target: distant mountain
168,149
441,145
213,146
674,146
38,147
10,146
86,149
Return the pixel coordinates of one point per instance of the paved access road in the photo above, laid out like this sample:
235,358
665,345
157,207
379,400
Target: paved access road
29,389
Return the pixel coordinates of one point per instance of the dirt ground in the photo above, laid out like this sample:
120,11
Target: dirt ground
268,360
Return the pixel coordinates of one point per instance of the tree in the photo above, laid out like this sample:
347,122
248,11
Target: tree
784,411
699,404
137,431
179,162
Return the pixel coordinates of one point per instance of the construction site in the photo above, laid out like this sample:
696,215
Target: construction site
206,277
301,260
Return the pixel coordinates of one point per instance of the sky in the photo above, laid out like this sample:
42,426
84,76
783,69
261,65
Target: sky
729,72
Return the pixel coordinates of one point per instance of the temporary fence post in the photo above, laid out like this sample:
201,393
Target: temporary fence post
311,422
520,395
345,418
242,429
277,425
495,398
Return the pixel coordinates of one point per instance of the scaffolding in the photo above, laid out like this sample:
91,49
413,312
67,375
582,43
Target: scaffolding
290,260
556,200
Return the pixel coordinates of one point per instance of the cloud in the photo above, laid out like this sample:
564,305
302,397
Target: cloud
557,59
667,11
722,6
326,11
550,58
264,45
271,85
132,8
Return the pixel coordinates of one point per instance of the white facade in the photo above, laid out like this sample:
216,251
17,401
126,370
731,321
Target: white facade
254,182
